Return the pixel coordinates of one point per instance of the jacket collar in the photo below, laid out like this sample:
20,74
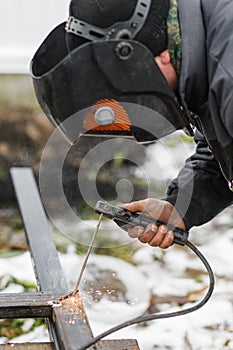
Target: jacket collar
193,76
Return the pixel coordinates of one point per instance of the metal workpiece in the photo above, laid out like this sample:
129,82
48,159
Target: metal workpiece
66,319
28,346
48,270
118,344
71,322
26,305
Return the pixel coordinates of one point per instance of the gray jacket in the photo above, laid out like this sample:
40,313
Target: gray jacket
206,88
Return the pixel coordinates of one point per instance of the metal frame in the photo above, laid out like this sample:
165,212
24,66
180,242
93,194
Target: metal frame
67,322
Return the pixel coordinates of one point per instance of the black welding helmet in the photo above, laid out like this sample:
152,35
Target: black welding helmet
97,80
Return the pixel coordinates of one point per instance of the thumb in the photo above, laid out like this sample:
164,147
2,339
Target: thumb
134,206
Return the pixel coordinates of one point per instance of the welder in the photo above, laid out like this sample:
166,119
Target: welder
173,58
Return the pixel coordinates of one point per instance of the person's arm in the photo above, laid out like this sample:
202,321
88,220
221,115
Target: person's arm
198,194
200,191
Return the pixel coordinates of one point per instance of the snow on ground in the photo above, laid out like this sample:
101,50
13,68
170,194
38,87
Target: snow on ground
175,272
160,273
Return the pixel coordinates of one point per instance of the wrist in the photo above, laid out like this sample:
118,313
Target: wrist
174,217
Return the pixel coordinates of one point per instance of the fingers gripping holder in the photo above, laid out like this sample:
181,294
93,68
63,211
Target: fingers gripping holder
126,219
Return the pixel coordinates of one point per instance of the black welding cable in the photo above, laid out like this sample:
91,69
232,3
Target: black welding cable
163,315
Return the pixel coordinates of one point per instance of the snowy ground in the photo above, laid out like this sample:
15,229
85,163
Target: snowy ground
161,274
175,272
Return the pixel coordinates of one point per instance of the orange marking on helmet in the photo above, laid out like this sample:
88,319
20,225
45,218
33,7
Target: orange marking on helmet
121,122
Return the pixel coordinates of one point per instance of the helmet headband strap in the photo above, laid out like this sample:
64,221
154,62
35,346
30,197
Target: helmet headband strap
125,29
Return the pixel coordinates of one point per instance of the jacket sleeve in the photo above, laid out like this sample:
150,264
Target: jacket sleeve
200,191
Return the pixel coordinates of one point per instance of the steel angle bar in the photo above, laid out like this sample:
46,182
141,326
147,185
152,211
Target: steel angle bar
118,344
26,305
74,325
66,334
47,266
28,346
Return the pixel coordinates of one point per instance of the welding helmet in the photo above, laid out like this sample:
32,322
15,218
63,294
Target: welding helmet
96,73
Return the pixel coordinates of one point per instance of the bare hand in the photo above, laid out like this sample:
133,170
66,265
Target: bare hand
152,234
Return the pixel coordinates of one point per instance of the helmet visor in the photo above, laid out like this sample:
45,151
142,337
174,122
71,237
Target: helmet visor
109,87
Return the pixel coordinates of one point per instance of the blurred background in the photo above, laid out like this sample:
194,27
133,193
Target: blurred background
24,129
